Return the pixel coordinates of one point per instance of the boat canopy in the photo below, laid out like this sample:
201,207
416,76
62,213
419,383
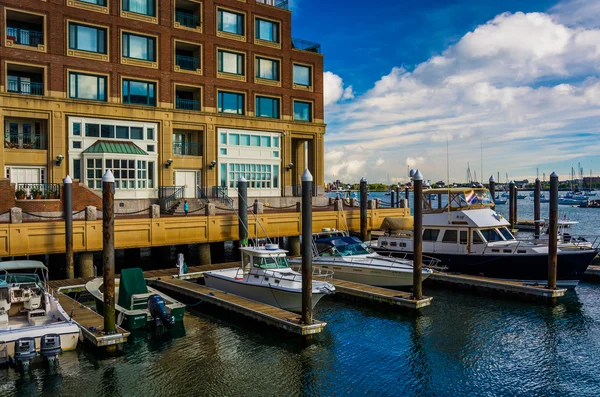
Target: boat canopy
457,198
395,225
22,265
263,251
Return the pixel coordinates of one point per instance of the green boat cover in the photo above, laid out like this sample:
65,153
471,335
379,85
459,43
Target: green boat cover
131,282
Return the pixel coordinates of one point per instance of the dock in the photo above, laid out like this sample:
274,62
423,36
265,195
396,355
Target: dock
592,273
270,315
90,323
495,285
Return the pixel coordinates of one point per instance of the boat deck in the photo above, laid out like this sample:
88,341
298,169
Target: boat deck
270,315
489,284
90,323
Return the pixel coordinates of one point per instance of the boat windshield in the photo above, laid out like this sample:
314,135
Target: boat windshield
344,246
506,233
479,196
20,278
271,262
491,235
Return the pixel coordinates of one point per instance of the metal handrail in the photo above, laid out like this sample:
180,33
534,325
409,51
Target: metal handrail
187,148
296,277
306,45
186,62
187,19
25,37
39,190
169,195
25,87
25,141
187,104
279,4
220,193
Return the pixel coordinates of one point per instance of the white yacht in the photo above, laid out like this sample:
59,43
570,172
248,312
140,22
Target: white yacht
266,276
471,238
352,260
32,321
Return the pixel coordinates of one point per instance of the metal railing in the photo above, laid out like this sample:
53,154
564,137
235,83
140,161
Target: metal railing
187,104
220,193
275,3
25,37
168,196
297,191
25,141
37,191
187,19
305,45
201,195
25,87
187,63
187,148
272,277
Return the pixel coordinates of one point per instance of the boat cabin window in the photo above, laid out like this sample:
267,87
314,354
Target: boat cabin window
393,244
491,235
463,237
342,246
20,278
449,236
431,234
477,237
271,262
506,233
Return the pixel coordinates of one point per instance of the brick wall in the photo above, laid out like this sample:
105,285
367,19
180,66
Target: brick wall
7,194
83,196
57,14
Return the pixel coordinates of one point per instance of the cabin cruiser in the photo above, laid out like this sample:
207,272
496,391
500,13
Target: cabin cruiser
469,237
352,260
32,321
266,276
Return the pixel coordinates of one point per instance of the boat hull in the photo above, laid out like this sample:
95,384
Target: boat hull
530,268
264,293
138,319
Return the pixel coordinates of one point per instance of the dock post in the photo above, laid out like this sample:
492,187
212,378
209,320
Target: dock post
392,198
493,189
307,181
418,237
536,207
364,230
406,196
243,211
108,250
397,196
553,232
68,210
511,204
515,205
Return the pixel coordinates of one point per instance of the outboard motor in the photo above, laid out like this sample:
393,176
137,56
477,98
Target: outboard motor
156,306
24,353
50,348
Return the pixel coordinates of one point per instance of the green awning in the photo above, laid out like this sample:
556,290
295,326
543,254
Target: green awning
119,147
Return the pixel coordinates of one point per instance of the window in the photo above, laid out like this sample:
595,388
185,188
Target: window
139,92
267,30
87,86
107,131
302,75
139,47
76,144
150,134
77,169
231,102
231,62
87,38
431,234
267,69
223,151
230,22
275,141
145,7
302,111
150,148
245,140
491,235
450,236
506,233
137,132
477,238
92,130
259,176
97,2
265,141
463,236
267,107
77,129
275,176
255,140
223,139
122,132
234,139
94,173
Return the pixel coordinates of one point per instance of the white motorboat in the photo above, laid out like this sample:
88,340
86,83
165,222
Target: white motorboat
352,260
266,276
32,321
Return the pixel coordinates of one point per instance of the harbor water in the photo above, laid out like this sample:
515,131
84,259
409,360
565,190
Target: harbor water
463,344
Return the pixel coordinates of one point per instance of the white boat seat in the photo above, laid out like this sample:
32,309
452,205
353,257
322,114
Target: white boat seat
37,317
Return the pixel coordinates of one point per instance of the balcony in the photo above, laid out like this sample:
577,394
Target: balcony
15,84
186,19
25,141
25,133
305,45
187,104
187,98
187,148
187,63
187,14
23,79
275,3
24,30
187,57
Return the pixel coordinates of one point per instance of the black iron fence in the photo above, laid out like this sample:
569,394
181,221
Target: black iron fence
187,148
169,196
305,45
25,141
38,191
275,3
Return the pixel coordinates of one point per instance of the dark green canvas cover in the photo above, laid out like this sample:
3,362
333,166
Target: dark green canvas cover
132,282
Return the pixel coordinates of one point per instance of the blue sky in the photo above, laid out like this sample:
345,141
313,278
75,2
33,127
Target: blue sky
517,78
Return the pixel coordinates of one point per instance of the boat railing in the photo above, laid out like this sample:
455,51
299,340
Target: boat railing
428,261
293,277
576,241
368,261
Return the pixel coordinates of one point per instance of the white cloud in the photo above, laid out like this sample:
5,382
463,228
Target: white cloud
334,90
521,86
577,13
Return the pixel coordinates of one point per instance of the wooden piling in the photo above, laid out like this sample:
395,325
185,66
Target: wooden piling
68,211
515,204
243,211
511,204
536,207
392,199
397,196
418,237
363,210
493,189
553,232
307,181
108,250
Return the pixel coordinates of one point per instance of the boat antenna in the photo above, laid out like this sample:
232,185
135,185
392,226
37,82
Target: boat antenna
481,154
448,173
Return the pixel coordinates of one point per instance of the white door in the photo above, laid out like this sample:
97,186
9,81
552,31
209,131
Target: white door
187,179
25,175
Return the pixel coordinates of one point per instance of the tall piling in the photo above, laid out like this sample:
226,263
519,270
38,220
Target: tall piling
307,181
536,207
418,237
553,232
397,196
493,189
243,211
392,199
406,191
511,204
515,205
68,211
363,210
108,250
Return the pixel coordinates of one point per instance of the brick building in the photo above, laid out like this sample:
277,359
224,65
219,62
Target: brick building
192,93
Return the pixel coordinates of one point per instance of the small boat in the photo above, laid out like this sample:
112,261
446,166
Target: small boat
590,204
500,201
266,276
138,305
571,201
521,196
32,321
505,194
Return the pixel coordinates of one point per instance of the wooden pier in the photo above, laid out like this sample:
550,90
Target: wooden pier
270,315
495,285
90,322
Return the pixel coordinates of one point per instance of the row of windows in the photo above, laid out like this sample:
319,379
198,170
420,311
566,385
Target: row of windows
129,174
141,47
233,103
259,176
235,139
95,130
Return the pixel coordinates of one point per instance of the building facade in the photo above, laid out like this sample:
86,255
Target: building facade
192,93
